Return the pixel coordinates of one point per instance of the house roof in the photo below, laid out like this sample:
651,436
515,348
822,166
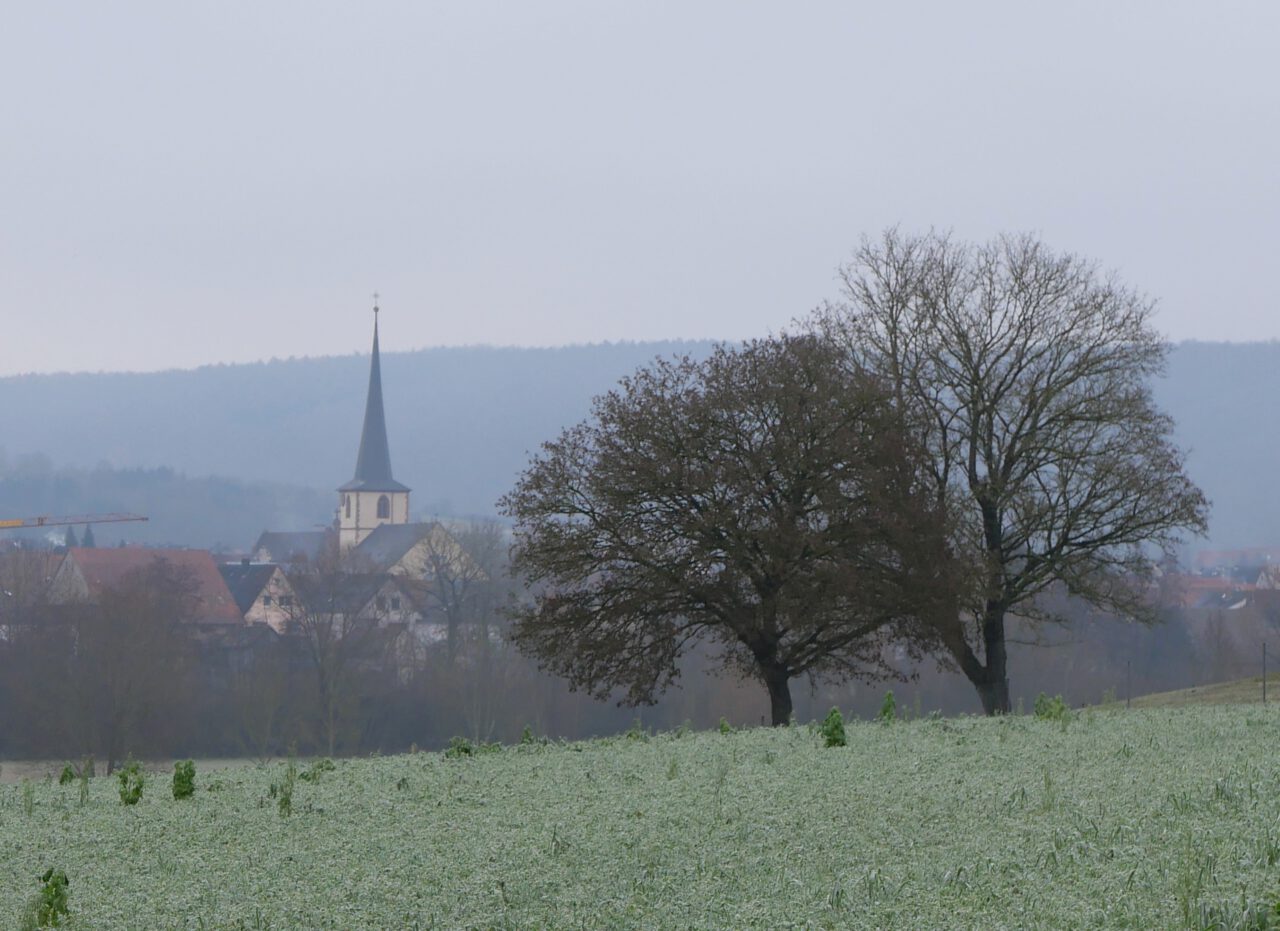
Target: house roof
348,594
247,582
373,462
388,543
286,546
109,568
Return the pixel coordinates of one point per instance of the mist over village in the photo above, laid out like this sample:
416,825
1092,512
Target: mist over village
605,467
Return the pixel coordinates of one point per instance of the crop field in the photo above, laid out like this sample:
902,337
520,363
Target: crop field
1152,819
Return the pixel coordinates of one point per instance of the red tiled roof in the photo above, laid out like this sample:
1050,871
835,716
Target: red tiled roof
107,568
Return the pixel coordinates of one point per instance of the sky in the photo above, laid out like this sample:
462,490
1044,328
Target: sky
192,183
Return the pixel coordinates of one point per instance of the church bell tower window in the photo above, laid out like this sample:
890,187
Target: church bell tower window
384,507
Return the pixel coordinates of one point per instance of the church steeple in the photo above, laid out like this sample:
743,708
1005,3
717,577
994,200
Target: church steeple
388,500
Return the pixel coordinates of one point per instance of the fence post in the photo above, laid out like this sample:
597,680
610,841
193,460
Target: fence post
1128,682
1264,672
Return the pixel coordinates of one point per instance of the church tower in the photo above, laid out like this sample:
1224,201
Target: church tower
372,497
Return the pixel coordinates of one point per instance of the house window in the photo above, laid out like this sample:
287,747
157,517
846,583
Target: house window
380,603
266,601
384,507
395,602
286,601
346,501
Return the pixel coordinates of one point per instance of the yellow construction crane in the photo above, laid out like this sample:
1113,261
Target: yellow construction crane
63,520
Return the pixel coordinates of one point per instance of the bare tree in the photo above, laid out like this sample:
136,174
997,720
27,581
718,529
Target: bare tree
1027,374
127,685
458,567
763,502
335,618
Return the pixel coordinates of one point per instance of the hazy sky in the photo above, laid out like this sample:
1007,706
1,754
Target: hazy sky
186,183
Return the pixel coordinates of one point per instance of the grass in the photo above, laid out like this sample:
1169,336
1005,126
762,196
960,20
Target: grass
1237,692
1162,818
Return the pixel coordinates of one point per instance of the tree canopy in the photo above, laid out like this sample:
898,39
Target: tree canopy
764,503
1026,374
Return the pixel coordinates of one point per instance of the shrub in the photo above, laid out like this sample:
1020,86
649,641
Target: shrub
68,775
1051,709
888,708
832,729
131,782
184,779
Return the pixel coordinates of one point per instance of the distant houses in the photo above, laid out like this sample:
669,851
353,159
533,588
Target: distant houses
85,574
373,566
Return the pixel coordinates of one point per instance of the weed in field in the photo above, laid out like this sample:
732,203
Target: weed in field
832,729
283,791
317,769
1051,709
725,727
67,776
184,779
50,905
131,783
458,748
888,708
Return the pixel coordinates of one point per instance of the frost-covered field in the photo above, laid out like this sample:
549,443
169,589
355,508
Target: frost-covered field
1152,819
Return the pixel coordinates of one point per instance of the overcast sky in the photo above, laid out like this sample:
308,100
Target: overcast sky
186,183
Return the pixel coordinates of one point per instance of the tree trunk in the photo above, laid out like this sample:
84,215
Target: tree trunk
989,679
777,680
994,691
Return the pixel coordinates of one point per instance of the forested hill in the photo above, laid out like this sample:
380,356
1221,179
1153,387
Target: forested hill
462,422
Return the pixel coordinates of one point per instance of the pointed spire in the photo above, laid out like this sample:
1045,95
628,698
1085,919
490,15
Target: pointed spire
373,463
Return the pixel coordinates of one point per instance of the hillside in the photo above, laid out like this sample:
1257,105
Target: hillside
462,422
1151,819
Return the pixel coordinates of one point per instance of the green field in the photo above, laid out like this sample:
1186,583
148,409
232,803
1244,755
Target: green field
1151,819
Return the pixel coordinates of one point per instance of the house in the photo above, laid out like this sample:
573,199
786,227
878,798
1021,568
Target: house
85,574
262,592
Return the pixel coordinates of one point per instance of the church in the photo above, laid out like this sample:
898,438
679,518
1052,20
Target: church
372,498
372,517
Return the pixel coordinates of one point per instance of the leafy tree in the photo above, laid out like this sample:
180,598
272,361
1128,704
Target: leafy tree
763,502
1026,373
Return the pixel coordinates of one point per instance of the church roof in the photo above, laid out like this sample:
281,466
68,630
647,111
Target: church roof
373,463
388,543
